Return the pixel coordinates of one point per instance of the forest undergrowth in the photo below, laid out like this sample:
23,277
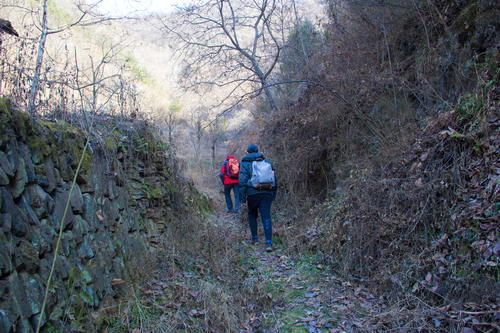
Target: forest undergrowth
232,285
387,217
392,163
215,280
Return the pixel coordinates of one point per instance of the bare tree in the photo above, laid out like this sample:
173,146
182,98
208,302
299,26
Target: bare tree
172,117
39,59
87,17
197,124
231,44
216,132
94,94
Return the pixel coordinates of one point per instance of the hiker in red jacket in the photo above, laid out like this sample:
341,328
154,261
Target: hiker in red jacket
229,175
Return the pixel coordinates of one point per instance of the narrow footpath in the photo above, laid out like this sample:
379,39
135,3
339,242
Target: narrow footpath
236,286
296,293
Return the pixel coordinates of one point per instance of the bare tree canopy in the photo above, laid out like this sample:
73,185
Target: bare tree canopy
87,16
230,44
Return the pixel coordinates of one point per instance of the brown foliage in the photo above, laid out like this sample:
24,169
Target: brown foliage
405,158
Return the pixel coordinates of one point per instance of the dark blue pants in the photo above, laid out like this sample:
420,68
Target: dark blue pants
227,195
260,203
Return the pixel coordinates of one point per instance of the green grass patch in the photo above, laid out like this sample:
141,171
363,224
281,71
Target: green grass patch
290,318
296,293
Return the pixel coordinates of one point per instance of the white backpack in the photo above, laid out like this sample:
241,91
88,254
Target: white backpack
262,175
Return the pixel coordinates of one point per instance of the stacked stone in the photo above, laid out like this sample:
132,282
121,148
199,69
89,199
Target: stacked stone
106,234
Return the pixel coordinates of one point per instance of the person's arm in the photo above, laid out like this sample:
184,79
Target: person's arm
243,181
275,189
221,174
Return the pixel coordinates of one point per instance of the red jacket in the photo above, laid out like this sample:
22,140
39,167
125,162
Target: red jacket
226,179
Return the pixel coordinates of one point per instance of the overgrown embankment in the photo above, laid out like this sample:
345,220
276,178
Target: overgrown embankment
126,204
236,286
396,164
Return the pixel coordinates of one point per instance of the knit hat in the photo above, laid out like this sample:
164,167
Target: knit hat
253,148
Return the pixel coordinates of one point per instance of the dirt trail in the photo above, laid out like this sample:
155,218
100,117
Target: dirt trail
237,286
292,293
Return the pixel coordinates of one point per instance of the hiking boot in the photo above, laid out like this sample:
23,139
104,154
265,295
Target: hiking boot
255,241
269,248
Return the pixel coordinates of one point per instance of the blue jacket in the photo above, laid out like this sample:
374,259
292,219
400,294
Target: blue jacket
246,174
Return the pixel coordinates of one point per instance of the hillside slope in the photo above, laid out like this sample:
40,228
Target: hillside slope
397,154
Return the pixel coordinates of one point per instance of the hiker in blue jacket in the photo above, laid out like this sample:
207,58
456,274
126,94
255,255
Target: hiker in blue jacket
259,198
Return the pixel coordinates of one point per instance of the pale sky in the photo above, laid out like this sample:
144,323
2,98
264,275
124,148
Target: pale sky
127,7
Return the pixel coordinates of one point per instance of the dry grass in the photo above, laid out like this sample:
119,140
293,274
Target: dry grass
419,228
405,203
191,285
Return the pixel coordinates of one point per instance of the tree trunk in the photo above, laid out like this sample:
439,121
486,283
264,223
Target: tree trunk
39,60
213,152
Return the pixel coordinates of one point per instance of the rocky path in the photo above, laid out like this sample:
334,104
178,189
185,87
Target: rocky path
227,284
289,293
236,286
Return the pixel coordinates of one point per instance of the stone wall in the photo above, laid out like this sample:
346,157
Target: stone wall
124,199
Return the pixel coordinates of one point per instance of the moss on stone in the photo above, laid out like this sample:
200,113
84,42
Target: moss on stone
52,126
39,147
87,159
5,106
24,124
64,138
5,111
109,141
41,170
5,119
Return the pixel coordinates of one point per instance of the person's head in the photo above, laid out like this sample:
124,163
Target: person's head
252,149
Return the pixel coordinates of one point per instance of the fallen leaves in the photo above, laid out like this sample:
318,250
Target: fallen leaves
450,132
311,294
115,282
196,313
